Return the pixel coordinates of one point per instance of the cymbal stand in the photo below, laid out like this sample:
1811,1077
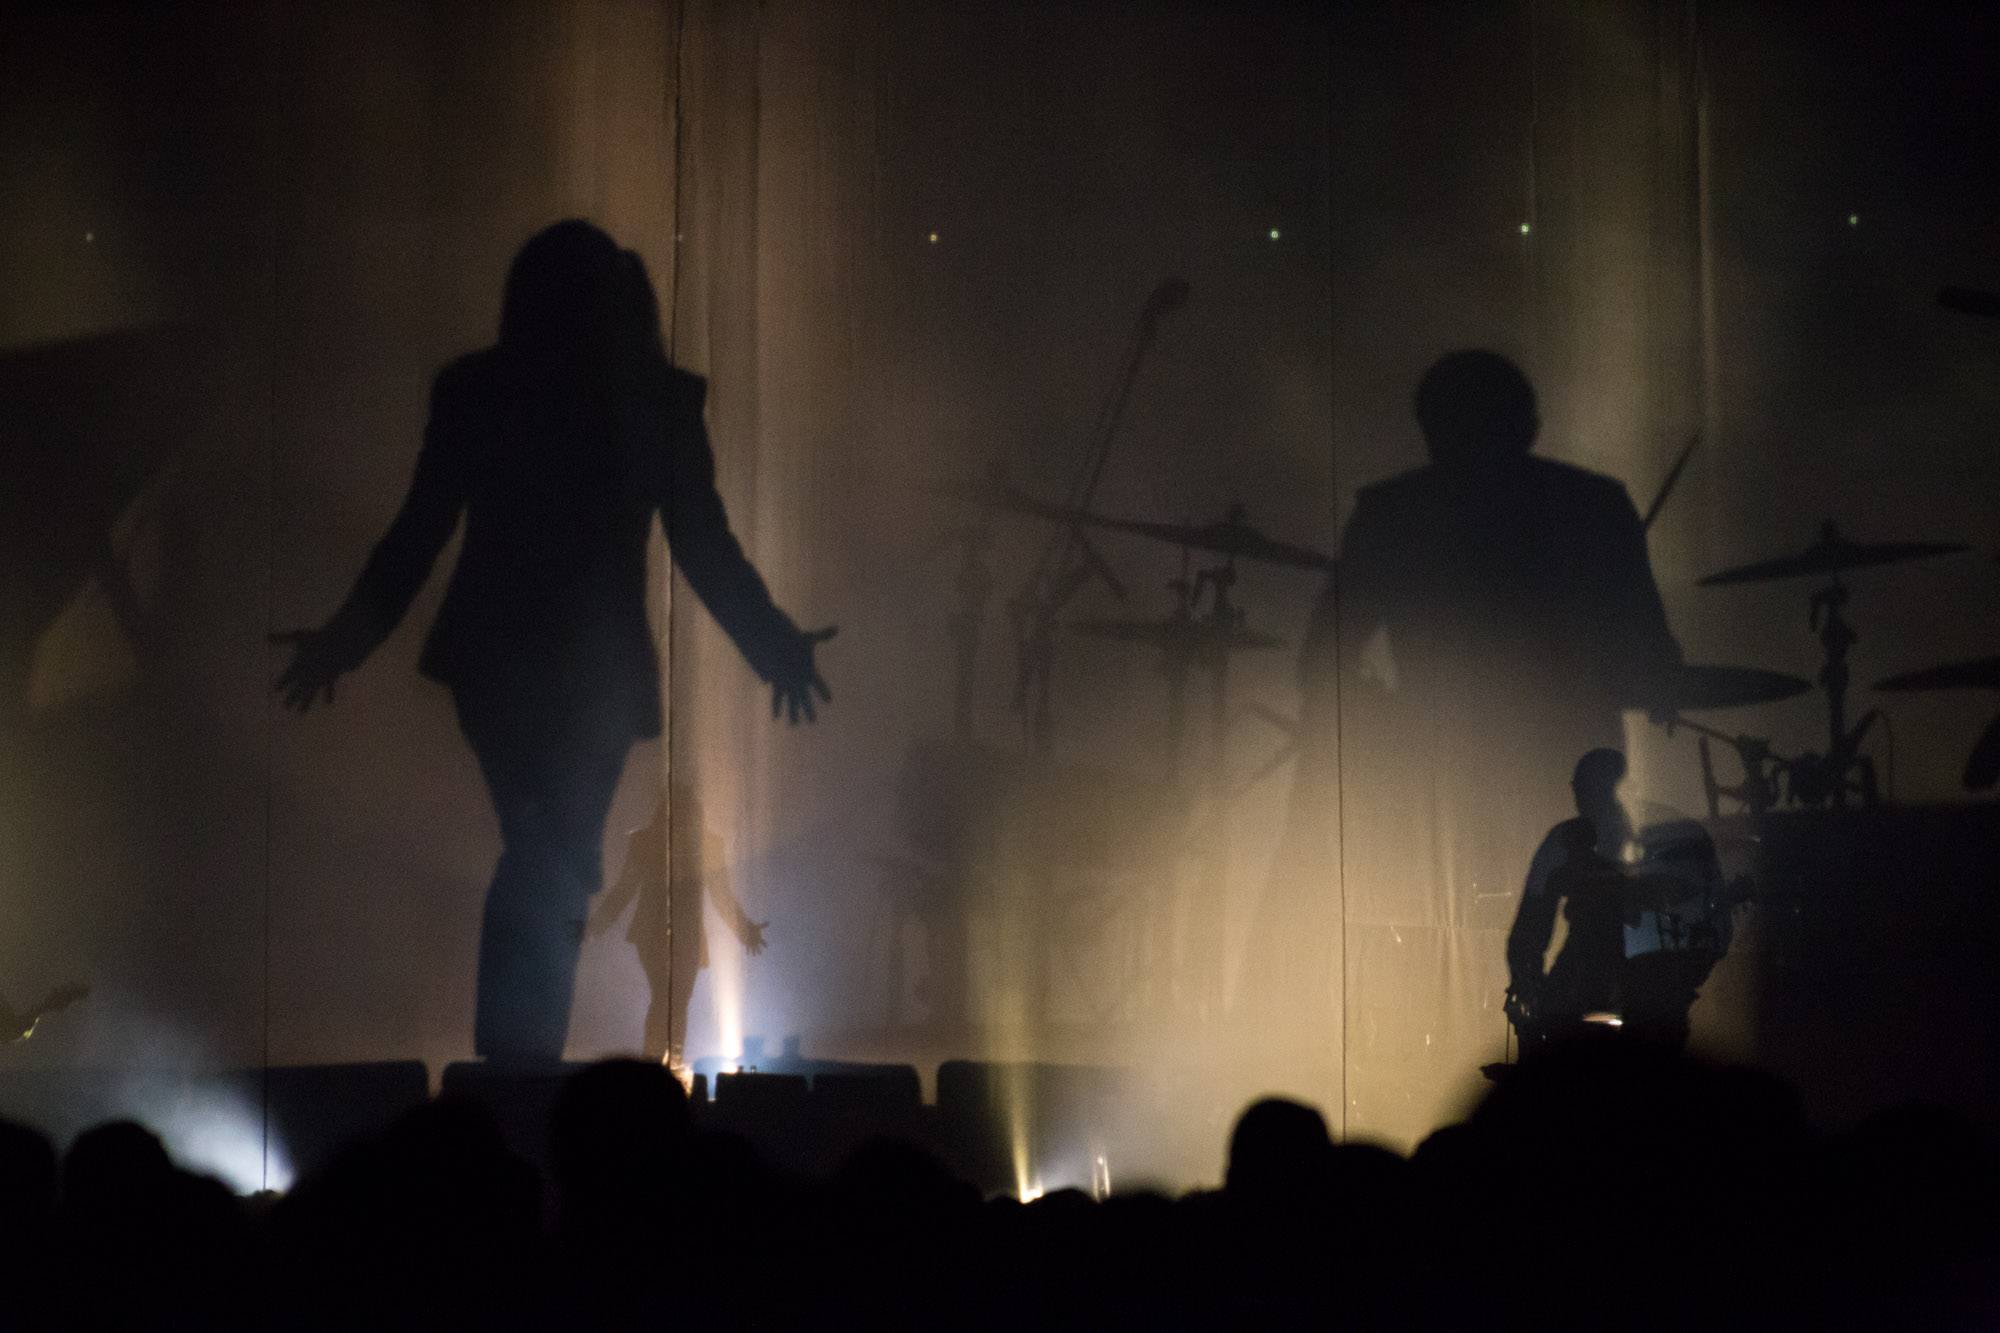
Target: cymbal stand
1034,611
1070,562
1209,917
1175,660
1223,619
974,586
1843,770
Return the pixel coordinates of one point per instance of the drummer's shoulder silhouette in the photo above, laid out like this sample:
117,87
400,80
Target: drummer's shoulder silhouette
1491,557
1493,616
557,446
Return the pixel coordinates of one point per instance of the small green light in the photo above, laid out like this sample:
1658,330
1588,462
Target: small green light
1525,229
1853,219
1274,233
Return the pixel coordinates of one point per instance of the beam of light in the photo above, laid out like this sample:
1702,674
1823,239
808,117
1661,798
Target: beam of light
1014,1103
221,1135
231,1148
1646,750
1011,1045
725,979
1100,1178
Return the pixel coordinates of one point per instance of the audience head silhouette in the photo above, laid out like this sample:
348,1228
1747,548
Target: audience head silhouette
113,1163
1278,1147
616,1137
1476,407
1598,1159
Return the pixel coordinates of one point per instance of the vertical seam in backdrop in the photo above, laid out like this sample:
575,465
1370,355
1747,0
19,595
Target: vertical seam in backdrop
1339,673
269,698
674,108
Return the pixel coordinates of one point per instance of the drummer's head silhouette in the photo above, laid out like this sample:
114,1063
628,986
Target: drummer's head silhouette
1476,407
1595,783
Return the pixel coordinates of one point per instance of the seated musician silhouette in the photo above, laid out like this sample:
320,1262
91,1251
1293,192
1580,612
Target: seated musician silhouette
666,881
1648,918
1579,869
557,446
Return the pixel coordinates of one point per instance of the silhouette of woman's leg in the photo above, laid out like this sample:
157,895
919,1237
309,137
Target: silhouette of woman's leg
676,958
551,779
689,958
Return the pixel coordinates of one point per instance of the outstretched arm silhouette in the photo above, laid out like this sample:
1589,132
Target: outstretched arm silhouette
397,568
691,509
728,584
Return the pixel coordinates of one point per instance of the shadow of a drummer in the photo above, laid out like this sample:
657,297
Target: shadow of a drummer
1648,917
1495,615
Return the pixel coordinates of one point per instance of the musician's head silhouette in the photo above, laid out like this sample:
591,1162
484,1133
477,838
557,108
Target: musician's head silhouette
1476,407
573,297
1595,784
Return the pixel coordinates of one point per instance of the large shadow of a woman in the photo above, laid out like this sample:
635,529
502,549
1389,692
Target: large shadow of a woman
557,445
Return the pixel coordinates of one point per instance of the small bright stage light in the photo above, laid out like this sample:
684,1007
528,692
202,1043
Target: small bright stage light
933,238
1526,228
1274,233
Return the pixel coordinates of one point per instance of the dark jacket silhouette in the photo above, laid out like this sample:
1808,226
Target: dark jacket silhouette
558,466
556,447
1517,603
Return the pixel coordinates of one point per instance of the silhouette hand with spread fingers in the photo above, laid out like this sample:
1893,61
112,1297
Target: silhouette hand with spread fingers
796,679
317,662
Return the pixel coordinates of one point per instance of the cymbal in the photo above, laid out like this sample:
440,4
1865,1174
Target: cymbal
1699,687
1831,554
1982,674
1231,536
1175,632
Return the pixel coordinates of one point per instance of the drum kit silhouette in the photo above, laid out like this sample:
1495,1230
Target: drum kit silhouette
1205,627
1842,773
1202,631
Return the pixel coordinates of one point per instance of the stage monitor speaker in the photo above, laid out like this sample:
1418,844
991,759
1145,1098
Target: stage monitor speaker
317,1110
887,1093
520,1099
749,1095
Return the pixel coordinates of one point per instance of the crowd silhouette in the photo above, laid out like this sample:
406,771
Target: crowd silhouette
1604,1183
